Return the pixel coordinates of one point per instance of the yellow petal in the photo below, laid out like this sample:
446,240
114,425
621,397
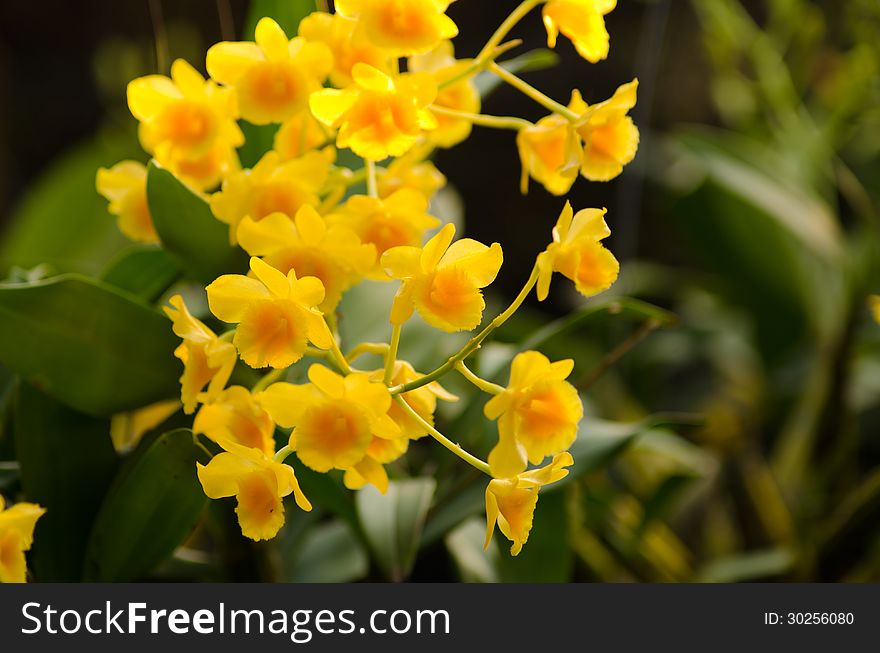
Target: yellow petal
481,263
273,279
329,105
271,39
436,247
508,457
327,381
262,237
310,225
286,402
219,478
231,295
228,62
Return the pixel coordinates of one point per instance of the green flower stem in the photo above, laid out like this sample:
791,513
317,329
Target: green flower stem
484,385
496,122
533,93
268,379
391,358
282,454
372,185
478,65
335,353
504,29
442,439
474,343
378,348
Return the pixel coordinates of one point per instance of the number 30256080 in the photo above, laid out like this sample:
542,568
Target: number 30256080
809,618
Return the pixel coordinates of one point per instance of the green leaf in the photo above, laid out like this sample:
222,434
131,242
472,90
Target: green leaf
546,556
62,220
329,553
152,506
465,545
745,567
88,345
143,270
258,139
287,13
197,240
67,464
539,59
393,522
466,502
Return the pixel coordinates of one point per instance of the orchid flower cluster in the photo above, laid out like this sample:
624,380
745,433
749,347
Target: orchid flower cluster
339,83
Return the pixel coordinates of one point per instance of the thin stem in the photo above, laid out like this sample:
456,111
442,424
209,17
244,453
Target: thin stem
442,439
533,93
268,379
617,353
504,29
484,385
336,355
160,35
372,185
478,65
199,444
282,454
314,352
378,348
474,343
391,358
496,122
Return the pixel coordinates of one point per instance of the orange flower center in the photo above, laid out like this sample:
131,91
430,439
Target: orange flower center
187,123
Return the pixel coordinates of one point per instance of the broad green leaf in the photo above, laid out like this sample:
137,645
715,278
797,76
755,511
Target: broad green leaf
67,464
546,556
745,567
393,522
329,553
197,240
468,501
287,13
539,59
465,545
258,139
143,270
88,345
62,220
152,506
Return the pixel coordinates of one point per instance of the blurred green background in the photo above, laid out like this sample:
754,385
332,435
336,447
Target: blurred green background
739,440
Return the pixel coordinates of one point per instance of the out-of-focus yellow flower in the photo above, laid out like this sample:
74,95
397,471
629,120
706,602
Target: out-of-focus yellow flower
337,33
611,138
399,219
125,187
276,314
551,151
583,22
207,171
578,253
874,305
378,116
511,502
272,186
403,27
127,429
443,280
461,95
184,118
538,413
258,482
272,77
207,360
333,254
234,415
410,171
334,418
16,536
422,400
300,134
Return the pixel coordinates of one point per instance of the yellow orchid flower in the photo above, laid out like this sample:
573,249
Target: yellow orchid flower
399,219
583,22
511,502
443,280
272,77
334,254
205,172
577,252
402,27
334,418
184,118
16,536
378,116
127,429
410,171
237,417
125,187
337,33
370,470
538,413
276,314
272,186
300,134
257,482
551,151
207,360
422,400
611,138
461,95
874,305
